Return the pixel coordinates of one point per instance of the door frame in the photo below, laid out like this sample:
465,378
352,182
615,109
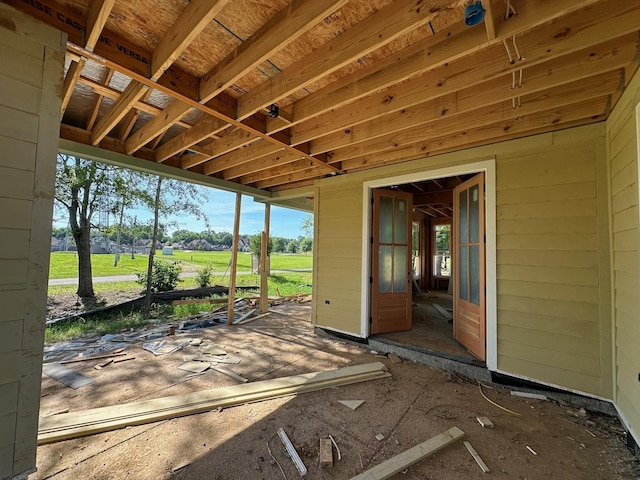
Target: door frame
489,168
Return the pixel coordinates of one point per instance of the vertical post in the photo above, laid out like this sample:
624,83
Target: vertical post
234,259
264,285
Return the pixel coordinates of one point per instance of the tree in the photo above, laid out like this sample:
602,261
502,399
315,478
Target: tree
255,245
306,245
171,196
292,246
279,244
307,225
82,188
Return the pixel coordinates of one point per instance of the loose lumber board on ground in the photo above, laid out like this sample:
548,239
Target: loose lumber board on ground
88,422
413,455
442,311
65,375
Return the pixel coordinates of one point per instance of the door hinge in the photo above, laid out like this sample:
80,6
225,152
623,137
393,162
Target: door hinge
372,201
370,320
371,280
371,240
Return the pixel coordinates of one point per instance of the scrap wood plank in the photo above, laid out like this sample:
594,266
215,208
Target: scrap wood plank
193,301
231,374
413,455
94,357
442,311
326,452
476,457
103,419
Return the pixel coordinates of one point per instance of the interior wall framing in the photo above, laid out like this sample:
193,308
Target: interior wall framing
32,55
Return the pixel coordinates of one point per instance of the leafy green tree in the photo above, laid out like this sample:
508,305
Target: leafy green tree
171,196
185,236
293,246
279,244
307,225
83,188
306,245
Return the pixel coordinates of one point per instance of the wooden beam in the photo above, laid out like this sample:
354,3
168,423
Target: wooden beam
404,460
234,259
194,18
489,24
235,138
70,80
204,128
570,115
258,165
129,120
97,16
538,46
264,263
285,27
131,95
109,92
157,125
250,153
204,108
444,47
374,31
96,106
425,198
573,93
55,428
569,69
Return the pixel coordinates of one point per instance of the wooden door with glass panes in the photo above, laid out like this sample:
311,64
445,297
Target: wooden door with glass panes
391,263
469,323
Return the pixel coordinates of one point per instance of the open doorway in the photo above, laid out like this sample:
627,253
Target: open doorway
446,266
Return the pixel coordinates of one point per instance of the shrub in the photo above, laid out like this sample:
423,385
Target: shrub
165,276
203,275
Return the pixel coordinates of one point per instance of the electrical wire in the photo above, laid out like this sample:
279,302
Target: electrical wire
495,404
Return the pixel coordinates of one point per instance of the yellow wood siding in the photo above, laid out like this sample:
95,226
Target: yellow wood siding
32,56
552,238
622,140
338,258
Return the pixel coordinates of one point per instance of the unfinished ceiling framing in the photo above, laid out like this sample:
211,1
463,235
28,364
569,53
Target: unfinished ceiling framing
275,94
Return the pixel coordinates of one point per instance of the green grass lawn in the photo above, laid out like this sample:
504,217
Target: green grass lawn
65,264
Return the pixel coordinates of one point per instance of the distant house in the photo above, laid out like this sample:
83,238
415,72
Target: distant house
200,244
179,245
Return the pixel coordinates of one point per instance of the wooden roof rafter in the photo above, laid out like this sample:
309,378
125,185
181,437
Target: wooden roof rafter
370,100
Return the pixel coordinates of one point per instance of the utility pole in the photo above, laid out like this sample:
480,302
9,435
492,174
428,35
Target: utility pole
133,238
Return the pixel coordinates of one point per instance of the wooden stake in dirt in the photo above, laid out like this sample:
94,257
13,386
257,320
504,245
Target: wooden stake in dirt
409,457
234,258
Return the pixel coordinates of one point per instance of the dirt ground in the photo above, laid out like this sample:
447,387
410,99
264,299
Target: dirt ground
414,404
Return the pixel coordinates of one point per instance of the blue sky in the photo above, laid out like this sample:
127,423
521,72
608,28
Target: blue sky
220,209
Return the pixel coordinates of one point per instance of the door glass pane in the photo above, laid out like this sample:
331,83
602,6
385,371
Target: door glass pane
385,268
399,269
463,273
442,258
474,214
385,233
463,220
474,274
400,221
